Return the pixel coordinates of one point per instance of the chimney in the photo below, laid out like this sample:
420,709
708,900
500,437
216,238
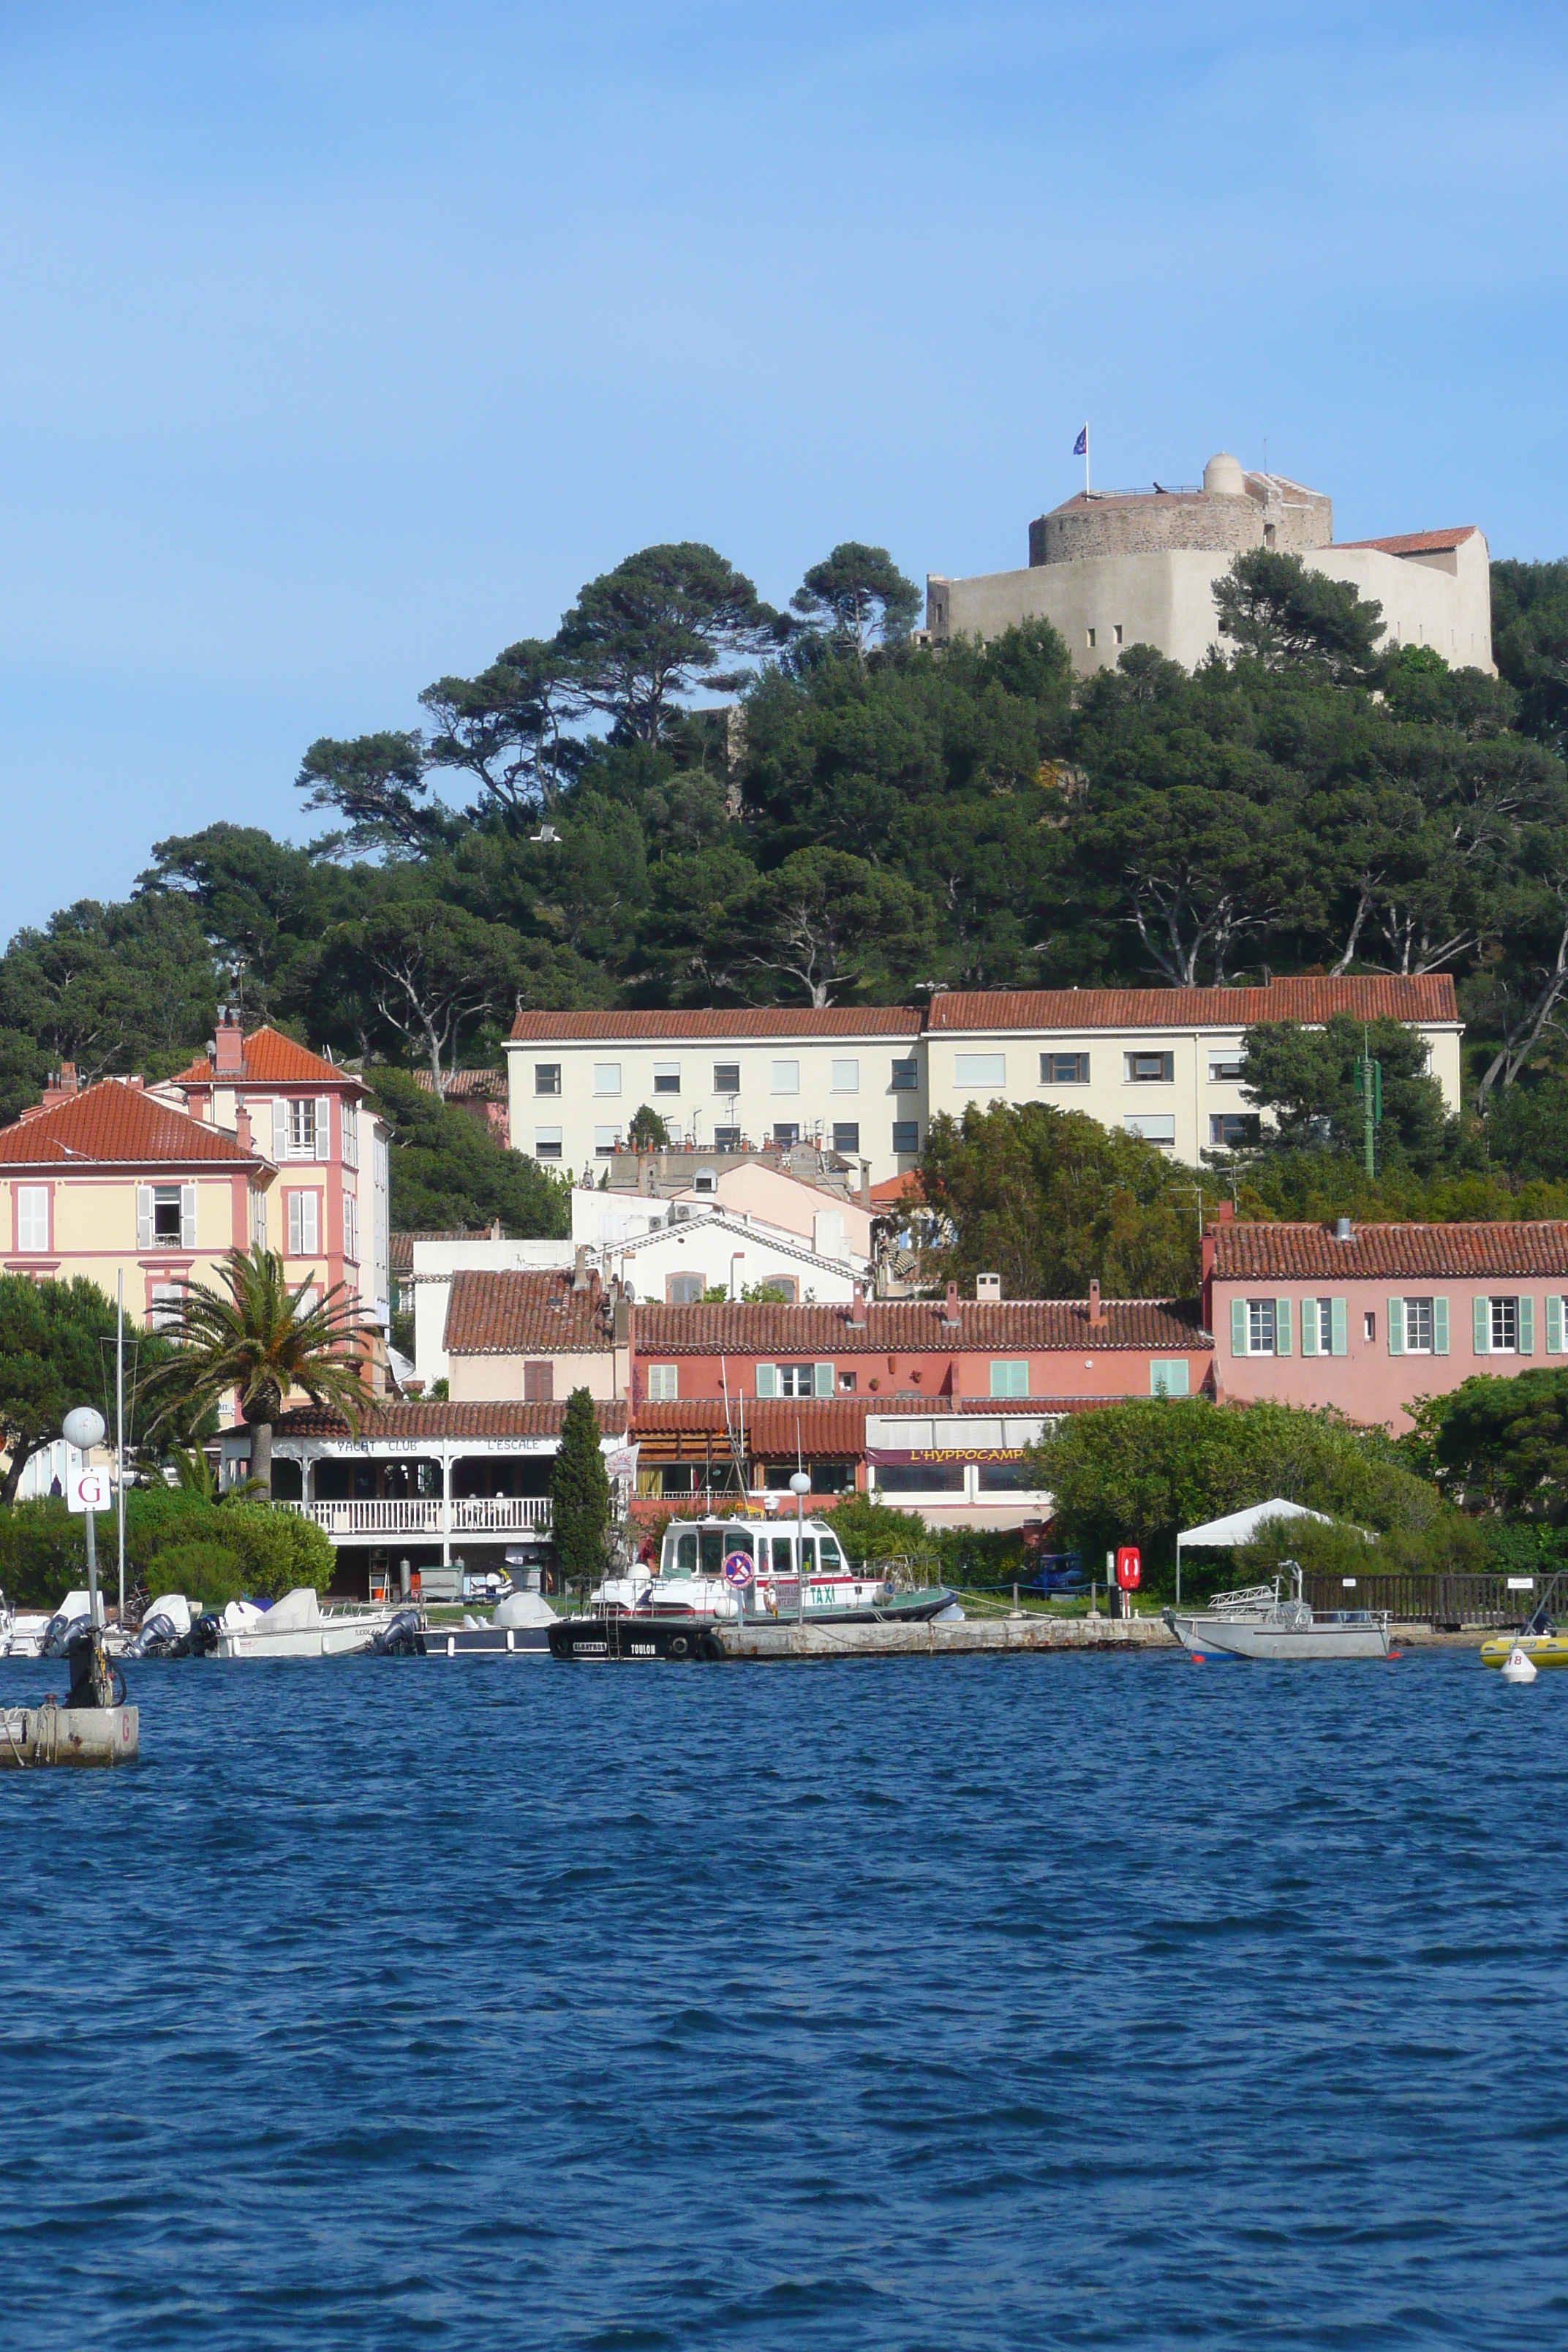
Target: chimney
63,1084
1097,1318
242,1134
1225,1212
229,1044
857,1309
949,1313
495,1229
988,1287
1344,1230
865,1183
580,1267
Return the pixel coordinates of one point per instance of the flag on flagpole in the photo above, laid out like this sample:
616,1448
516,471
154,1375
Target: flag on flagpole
1081,447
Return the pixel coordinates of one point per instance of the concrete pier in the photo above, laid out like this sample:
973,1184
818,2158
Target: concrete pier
749,1640
68,1734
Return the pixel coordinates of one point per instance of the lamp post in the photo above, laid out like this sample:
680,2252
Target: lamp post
84,1428
800,1487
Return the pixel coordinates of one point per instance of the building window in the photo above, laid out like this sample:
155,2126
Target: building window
259,1218
1318,1328
921,1478
607,1078
980,1069
666,1078
348,1124
906,1078
845,1077
1417,1326
547,1078
304,1223
1227,1069
786,1135
787,1286
1118,626
167,1210
1091,640
1168,1377
726,1139
539,1382
905,1138
166,1308
1010,1377
606,1143
663,1383
684,1289
302,1129
798,1379
350,1227
1504,1325
307,1300
845,1383
1369,1325
1233,1130
1260,1327
726,1077
847,1137
786,1077
1064,1069
32,1217
1149,1069
547,1143
1154,1127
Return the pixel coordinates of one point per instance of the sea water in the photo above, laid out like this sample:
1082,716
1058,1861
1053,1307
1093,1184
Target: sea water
964,2003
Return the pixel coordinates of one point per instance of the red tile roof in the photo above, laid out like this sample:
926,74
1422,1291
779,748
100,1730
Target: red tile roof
420,1420
487,1085
1416,542
272,1059
893,1189
905,1327
115,1124
1376,996
752,1021
526,1314
1266,1253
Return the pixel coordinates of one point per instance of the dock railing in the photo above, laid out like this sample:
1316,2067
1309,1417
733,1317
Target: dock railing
1459,1602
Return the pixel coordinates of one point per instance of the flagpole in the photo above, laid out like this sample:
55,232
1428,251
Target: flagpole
1086,460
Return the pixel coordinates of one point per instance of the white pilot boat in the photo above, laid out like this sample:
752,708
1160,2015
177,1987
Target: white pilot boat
749,1571
1262,1622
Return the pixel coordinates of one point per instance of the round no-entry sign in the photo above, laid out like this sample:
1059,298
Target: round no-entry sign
737,1569
1128,1568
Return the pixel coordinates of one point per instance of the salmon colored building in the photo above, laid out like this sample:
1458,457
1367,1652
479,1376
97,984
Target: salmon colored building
1370,1319
108,1182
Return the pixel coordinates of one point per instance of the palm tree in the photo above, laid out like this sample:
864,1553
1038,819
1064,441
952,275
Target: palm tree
262,1340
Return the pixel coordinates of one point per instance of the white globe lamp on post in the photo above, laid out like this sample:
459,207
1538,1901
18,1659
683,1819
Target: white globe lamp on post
800,1487
84,1429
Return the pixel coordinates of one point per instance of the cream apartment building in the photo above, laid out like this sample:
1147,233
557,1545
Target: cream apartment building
1162,1063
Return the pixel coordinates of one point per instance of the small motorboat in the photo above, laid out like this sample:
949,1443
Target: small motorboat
173,1629
22,1631
1262,1622
1537,1639
298,1627
519,1627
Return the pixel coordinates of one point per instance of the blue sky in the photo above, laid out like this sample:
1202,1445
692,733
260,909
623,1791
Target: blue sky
342,344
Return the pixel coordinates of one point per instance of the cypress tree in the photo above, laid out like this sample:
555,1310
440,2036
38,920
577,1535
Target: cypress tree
580,1491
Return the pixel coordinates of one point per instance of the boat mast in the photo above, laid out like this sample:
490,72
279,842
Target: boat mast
120,1434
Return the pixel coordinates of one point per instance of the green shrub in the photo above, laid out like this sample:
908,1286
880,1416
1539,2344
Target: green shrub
279,1549
868,1529
208,1572
43,1553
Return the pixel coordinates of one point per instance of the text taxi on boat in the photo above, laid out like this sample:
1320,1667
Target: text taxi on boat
713,1570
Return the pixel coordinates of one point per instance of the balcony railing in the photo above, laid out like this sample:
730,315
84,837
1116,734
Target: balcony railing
425,1515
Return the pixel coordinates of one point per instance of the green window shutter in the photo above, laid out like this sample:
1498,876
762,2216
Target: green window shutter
1168,1377
1339,1319
1238,1326
822,1380
1308,1326
1282,1327
1439,1327
767,1380
1482,1327
1527,1327
1396,1327
1555,1322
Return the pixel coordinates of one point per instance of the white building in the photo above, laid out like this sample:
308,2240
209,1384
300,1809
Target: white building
1111,569
1163,1063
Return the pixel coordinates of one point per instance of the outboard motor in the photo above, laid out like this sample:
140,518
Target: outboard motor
61,1633
401,1637
159,1637
202,1640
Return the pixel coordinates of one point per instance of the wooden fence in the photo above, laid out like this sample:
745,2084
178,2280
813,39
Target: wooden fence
1455,1601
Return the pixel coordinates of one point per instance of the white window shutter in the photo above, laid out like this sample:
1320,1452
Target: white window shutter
1339,1323
279,1130
1439,1327
296,1204
324,1127
1527,1327
187,1217
1238,1326
1282,1327
1481,1310
1396,1327
144,1216
767,1380
822,1380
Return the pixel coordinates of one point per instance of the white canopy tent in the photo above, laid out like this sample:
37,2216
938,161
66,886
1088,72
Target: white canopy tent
1240,1528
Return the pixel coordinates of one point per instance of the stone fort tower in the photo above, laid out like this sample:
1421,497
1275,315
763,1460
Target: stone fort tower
1116,568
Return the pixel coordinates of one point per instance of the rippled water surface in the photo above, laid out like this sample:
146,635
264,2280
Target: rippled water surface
974,2002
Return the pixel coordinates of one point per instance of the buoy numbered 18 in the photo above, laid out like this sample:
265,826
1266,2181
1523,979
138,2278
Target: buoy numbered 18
1518,1668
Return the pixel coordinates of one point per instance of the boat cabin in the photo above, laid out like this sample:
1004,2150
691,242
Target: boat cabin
772,1549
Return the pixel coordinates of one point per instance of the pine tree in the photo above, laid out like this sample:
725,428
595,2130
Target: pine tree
580,1491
